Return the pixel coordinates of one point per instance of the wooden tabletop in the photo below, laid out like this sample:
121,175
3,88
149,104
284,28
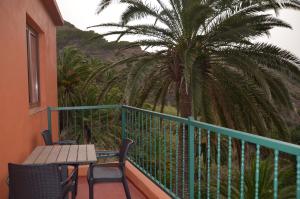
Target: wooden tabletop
62,154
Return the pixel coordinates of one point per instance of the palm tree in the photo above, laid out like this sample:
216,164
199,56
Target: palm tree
72,71
207,58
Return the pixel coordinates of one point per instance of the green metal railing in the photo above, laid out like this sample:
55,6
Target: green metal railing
100,125
188,158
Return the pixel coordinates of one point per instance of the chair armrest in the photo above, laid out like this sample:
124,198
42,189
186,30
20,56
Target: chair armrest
107,154
65,142
71,177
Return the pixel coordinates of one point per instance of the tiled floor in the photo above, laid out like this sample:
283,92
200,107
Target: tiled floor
107,190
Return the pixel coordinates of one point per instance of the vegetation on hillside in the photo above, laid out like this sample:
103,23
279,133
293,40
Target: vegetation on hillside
91,44
74,69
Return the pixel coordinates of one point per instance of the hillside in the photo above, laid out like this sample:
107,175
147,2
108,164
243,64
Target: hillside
91,44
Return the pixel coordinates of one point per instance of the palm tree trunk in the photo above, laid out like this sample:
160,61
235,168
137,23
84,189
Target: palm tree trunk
185,110
185,102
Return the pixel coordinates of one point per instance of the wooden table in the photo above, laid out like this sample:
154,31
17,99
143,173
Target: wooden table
62,154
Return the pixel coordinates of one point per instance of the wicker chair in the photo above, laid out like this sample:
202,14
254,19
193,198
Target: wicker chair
110,172
39,182
48,139
64,168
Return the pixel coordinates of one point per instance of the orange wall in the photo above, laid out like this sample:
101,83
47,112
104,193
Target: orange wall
20,126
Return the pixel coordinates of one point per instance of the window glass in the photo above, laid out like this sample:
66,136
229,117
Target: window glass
33,67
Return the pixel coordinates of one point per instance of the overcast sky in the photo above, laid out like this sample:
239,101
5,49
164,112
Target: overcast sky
82,13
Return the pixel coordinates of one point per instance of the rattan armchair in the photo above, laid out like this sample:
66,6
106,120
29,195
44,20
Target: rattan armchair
110,172
39,182
48,141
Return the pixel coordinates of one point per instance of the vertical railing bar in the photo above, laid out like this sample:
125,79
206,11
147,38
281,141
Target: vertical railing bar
82,116
132,133
140,139
218,163
118,123
67,120
134,137
124,123
144,142
114,126
155,149
276,174
91,118
183,156
170,143
191,153
229,166
159,149
130,124
257,172
199,162
150,134
176,164
165,154
137,137
298,178
99,120
127,123
49,112
242,170
60,122
147,145
208,164
75,125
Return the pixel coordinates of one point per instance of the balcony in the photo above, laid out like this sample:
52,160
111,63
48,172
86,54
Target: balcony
182,157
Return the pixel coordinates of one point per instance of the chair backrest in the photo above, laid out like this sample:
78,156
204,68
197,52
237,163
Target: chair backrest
34,182
124,150
47,137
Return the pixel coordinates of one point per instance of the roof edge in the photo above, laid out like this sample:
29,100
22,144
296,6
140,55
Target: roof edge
54,12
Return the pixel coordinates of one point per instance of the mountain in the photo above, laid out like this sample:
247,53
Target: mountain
92,44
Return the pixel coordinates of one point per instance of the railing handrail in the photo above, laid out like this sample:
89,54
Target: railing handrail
164,115
84,107
251,138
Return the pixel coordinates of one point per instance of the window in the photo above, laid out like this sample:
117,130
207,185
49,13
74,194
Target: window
33,66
